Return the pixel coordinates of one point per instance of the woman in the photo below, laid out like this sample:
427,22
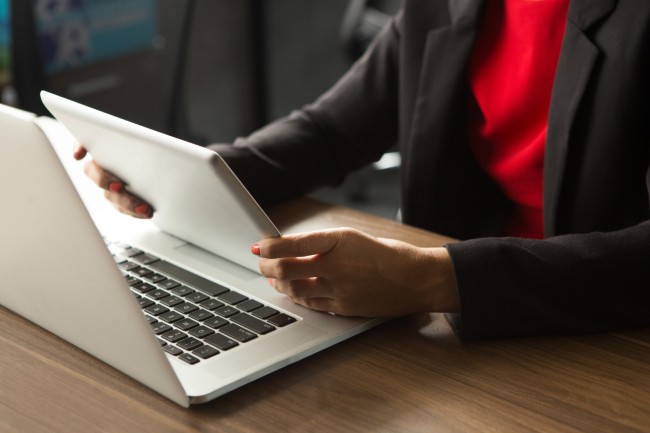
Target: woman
523,127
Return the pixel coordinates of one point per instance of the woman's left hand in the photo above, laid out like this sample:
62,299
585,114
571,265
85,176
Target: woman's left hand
350,273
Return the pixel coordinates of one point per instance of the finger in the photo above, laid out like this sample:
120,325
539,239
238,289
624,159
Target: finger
79,152
103,178
300,245
326,305
304,288
129,204
293,268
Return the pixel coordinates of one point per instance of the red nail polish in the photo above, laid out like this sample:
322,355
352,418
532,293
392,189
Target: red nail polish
116,187
142,210
255,249
271,281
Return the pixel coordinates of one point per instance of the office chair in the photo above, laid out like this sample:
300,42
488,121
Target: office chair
362,21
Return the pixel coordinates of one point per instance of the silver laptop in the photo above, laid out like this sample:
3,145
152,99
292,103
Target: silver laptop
187,322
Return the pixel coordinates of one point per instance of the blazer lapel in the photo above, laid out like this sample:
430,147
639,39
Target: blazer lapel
447,45
441,50
577,60
435,98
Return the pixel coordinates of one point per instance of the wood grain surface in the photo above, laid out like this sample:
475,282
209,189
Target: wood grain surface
410,374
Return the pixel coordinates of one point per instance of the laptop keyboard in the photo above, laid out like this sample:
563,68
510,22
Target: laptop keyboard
193,317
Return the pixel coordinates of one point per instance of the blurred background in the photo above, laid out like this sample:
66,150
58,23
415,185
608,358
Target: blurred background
203,70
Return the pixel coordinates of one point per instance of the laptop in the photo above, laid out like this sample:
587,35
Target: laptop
178,317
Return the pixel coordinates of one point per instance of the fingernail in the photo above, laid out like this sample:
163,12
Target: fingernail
271,281
143,210
255,249
116,186
78,154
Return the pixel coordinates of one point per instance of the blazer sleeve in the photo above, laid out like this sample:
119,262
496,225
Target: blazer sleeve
578,283
346,128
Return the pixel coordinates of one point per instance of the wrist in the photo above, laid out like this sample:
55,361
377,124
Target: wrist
441,284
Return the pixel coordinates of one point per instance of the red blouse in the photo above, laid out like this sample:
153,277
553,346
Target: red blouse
511,75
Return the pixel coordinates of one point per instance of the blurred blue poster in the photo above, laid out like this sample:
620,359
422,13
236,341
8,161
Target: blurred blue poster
77,32
5,44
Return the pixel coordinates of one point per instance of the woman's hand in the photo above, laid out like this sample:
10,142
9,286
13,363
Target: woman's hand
349,273
114,188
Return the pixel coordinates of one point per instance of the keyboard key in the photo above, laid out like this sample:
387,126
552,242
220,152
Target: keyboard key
144,302
157,294
196,297
185,324
128,266
265,312
131,252
182,291
141,272
205,352
171,301
281,320
216,322
201,315
232,298
221,341
145,259
161,342
189,343
150,319
143,287
250,322
132,281
174,336
201,332
168,284
226,311
189,358
171,317
204,285
160,328
211,304
237,332
172,350
249,305
186,308
156,310
155,278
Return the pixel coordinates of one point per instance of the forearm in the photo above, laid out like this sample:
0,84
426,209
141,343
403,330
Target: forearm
348,127
567,284
285,159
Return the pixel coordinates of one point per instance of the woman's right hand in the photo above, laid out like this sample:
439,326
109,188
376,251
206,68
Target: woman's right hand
114,188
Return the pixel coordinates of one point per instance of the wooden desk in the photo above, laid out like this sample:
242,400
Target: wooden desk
408,375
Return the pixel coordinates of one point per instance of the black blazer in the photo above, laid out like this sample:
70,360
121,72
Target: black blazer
591,273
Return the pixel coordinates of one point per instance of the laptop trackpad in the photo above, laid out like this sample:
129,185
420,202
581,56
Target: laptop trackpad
193,252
